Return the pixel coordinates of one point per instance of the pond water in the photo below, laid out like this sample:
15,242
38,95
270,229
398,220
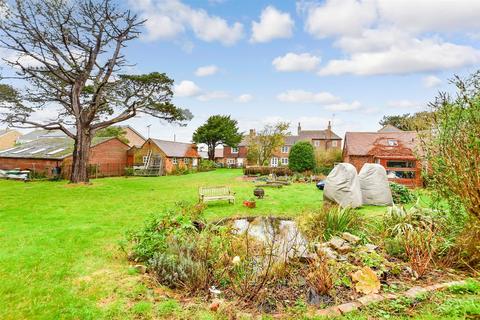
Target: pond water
280,235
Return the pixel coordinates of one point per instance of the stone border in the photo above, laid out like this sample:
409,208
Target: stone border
373,298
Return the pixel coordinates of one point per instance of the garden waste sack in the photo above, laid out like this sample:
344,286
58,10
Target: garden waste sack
374,185
342,186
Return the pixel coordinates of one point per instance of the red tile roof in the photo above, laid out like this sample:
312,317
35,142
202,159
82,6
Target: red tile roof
377,143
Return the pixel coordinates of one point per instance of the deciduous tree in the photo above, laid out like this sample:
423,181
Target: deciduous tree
262,145
69,56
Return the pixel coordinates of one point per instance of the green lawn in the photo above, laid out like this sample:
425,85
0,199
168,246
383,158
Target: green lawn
59,252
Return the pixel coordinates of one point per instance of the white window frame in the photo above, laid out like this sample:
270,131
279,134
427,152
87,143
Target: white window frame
274,162
316,143
234,150
334,143
284,161
284,149
174,161
145,159
186,160
230,161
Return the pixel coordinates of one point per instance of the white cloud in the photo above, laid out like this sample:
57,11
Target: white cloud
431,81
407,56
430,15
343,106
206,71
301,96
326,99
296,62
186,88
166,19
273,24
394,36
404,104
213,95
244,98
339,17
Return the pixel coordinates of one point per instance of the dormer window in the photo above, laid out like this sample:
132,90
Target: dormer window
392,142
234,150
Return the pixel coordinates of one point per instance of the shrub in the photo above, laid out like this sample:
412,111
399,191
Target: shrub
301,157
326,159
129,171
420,247
178,267
206,165
262,170
328,222
319,275
401,194
152,238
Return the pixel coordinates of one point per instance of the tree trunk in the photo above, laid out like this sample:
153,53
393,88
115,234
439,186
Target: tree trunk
81,155
211,152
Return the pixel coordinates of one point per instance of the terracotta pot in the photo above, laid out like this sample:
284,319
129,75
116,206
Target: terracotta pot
249,204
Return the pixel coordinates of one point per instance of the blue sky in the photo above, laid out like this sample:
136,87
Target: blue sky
311,61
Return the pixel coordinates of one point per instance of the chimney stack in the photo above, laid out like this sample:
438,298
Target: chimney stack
253,132
329,126
299,129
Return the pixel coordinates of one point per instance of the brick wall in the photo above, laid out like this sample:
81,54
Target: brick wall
358,161
41,166
242,152
110,157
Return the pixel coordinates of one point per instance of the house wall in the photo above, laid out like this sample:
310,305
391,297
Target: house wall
9,139
169,166
109,158
238,159
133,138
42,166
359,161
325,144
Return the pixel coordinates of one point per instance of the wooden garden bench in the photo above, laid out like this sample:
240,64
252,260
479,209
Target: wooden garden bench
216,193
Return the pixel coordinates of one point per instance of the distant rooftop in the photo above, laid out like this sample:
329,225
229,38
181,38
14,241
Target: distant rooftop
46,148
175,149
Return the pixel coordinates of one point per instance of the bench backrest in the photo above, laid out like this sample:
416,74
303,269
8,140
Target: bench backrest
214,191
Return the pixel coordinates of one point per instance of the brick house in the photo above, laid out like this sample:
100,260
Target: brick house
320,139
108,156
164,156
8,138
395,150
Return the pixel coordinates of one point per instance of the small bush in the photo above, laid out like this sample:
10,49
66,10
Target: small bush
420,247
206,165
263,171
401,194
319,276
129,171
301,157
328,222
